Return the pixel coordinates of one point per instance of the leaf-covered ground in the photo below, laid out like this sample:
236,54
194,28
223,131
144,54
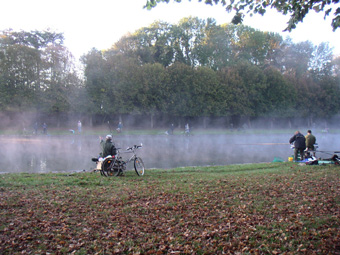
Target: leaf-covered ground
271,208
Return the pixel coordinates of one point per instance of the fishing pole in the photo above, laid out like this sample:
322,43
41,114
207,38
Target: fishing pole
328,152
108,123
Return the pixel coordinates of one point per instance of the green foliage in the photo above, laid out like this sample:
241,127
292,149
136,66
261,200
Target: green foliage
241,77
297,10
36,71
187,70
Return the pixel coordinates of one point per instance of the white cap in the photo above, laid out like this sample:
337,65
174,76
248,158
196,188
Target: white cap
109,137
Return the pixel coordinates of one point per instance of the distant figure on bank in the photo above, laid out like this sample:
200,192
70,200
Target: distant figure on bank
299,144
187,129
310,142
108,146
44,126
120,127
170,130
79,126
36,128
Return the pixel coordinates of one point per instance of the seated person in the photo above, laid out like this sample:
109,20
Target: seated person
108,146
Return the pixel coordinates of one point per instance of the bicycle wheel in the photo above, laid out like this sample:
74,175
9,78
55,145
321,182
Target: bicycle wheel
139,166
108,168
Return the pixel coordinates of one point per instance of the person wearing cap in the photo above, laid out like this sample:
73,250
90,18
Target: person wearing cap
310,141
108,146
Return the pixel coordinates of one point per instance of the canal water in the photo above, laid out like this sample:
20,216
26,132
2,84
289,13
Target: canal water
43,154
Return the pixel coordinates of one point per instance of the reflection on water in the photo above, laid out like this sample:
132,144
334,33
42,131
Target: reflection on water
41,154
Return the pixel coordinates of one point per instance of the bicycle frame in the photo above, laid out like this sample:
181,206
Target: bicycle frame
132,150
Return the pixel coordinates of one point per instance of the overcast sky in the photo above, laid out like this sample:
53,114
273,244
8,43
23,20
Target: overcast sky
87,23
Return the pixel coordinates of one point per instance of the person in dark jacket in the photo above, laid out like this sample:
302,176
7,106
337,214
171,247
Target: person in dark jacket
299,143
108,146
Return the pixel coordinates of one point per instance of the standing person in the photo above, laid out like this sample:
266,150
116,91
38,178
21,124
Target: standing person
171,129
79,126
187,129
108,147
44,126
310,142
36,128
299,143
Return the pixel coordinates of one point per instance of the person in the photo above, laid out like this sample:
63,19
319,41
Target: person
44,126
171,130
120,126
79,126
299,144
108,146
310,142
187,129
36,128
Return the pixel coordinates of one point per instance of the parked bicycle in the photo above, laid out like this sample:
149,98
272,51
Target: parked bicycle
115,165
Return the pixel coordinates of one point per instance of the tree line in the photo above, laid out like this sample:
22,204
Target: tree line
171,73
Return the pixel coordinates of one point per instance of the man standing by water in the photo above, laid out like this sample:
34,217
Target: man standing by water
79,126
44,126
120,127
299,143
310,141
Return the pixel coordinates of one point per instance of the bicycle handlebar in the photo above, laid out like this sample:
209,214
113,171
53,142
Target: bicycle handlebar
134,147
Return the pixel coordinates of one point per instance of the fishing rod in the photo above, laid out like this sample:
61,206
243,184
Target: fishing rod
108,123
328,152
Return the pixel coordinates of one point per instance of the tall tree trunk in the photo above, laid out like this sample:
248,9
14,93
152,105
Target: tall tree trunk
204,122
91,121
151,120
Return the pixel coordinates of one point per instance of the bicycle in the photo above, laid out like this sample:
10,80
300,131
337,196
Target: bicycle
115,165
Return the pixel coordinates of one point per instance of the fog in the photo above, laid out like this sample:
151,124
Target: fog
44,153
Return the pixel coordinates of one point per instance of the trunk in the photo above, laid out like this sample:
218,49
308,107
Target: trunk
249,122
151,120
310,121
91,121
204,122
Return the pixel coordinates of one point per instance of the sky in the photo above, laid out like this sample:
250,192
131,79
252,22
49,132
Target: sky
88,24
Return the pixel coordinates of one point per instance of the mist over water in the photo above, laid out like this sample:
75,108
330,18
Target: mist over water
42,154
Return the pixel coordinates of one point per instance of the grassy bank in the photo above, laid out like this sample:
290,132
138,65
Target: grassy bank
274,208
128,131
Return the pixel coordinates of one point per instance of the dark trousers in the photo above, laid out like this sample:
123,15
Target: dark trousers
296,151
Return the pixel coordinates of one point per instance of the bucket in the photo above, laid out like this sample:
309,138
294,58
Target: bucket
290,159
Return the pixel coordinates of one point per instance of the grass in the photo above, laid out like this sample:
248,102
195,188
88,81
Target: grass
270,208
100,130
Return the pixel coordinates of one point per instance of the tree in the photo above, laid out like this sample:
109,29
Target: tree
256,47
215,50
36,71
151,90
279,95
297,58
179,97
322,59
296,9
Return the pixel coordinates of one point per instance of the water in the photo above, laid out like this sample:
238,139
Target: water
42,154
